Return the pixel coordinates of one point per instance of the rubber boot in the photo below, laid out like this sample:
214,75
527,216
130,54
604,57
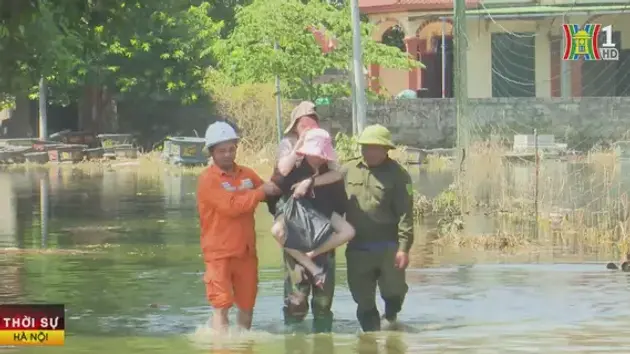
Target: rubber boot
323,323
393,305
370,321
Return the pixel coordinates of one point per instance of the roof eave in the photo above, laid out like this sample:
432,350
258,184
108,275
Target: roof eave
410,7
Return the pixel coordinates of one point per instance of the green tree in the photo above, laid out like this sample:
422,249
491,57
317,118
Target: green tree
33,42
146,47
248,54
225,11
96,50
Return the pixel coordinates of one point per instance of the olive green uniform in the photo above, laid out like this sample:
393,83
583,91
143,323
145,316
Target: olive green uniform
380,207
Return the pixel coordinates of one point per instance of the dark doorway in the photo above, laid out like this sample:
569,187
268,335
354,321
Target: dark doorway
432,75
513,64
601,78
623,81
62,118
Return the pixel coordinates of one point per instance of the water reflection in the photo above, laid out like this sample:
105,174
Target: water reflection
8,212
393,343
10,265
44,187
246,347
316,344
136,287
11,286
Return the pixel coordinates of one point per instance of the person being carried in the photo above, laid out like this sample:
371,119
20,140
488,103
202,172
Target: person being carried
227,196
329,200
303,118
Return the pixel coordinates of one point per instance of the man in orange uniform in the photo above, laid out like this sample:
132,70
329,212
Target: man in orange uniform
227,197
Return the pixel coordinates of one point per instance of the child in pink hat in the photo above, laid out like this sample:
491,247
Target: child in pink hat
318,143
329,200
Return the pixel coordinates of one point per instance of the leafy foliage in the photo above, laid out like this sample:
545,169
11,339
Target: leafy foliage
131,47
248,54
347,147
251,106
32,42
225,10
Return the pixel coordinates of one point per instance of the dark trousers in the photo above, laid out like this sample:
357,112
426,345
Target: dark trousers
366,271
297,280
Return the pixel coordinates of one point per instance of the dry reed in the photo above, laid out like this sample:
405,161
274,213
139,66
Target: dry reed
581,205
252,107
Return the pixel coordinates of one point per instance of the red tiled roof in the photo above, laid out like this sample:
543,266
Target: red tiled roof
325,41
371,3
371,6
423,2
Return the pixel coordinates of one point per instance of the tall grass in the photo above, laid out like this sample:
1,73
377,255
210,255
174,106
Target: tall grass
253,108
580,204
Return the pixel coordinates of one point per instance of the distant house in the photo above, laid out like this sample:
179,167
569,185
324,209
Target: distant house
515,48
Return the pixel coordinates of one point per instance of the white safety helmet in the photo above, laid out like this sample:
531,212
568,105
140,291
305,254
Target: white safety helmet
219,132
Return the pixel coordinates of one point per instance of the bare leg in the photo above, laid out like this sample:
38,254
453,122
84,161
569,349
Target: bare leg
278,233
304,260
344,232
244,319
220,322
277,230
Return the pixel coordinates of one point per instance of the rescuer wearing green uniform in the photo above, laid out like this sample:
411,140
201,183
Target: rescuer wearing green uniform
380,207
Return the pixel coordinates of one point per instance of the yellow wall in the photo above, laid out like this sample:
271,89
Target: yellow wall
479,53
393,81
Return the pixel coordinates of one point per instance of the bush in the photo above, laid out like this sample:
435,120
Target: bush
346,146
252,107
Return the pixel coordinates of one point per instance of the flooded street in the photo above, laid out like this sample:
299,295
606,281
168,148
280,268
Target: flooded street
121,250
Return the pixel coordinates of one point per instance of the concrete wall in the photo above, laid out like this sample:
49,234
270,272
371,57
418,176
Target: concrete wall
430,123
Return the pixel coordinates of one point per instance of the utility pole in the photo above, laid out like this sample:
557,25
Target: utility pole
43,116
357,67
278,101
353,101
460,34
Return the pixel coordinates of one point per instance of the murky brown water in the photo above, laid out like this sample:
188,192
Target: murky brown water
121,251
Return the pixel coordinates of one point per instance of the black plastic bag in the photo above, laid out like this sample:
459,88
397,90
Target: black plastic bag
305,228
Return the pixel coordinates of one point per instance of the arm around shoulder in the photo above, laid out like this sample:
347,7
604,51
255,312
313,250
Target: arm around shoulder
329,177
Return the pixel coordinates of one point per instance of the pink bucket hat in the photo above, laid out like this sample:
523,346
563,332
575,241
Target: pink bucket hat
317,142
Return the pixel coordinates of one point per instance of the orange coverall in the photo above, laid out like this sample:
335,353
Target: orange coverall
226,204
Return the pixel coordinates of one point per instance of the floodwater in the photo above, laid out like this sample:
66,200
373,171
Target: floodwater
120,249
